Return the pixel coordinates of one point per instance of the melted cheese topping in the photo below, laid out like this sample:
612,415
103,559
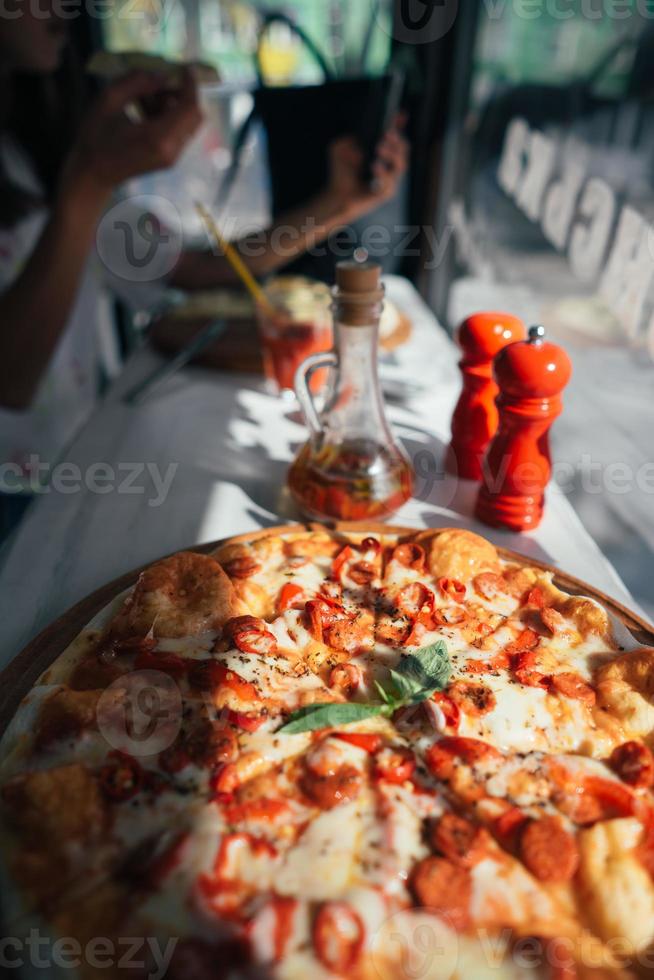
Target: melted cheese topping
393,839
320,865
504,892
309,574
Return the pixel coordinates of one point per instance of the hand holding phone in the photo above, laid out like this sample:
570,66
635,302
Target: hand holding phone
381,119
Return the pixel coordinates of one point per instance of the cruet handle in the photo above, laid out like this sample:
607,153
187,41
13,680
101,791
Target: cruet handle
302,375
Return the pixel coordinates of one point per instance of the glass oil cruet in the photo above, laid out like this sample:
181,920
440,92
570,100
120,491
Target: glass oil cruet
351,468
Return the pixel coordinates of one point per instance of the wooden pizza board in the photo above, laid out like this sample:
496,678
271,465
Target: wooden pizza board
18,678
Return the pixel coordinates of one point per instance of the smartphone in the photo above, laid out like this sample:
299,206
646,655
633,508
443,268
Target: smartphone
381,119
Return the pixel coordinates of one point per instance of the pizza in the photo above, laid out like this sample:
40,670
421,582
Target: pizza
111,65
327,755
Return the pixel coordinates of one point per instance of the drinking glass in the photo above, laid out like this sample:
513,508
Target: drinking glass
297,325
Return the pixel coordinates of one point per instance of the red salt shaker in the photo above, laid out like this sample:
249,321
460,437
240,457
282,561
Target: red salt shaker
531,376
474,423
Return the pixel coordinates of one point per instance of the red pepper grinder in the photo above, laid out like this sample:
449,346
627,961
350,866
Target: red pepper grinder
531,376
474,423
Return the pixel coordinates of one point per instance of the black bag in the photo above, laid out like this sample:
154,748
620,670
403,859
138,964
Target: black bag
300,123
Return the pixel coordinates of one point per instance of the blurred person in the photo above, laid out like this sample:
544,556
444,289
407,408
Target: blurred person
59,167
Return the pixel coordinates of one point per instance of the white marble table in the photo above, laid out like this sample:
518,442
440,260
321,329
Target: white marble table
229,443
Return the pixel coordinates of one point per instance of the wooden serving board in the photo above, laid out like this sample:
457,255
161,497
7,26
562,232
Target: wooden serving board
17,679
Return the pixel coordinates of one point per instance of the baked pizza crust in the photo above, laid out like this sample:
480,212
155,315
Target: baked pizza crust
183,595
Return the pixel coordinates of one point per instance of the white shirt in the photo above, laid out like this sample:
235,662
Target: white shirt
69,389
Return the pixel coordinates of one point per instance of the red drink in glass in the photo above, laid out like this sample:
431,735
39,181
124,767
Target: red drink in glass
300,325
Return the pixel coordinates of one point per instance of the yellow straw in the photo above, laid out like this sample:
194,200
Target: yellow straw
235,260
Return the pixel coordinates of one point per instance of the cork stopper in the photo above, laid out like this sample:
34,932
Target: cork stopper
358,277
358,293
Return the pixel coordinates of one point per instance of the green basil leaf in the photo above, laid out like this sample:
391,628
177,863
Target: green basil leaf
383,694
331,715
404,688
416,677
420,673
